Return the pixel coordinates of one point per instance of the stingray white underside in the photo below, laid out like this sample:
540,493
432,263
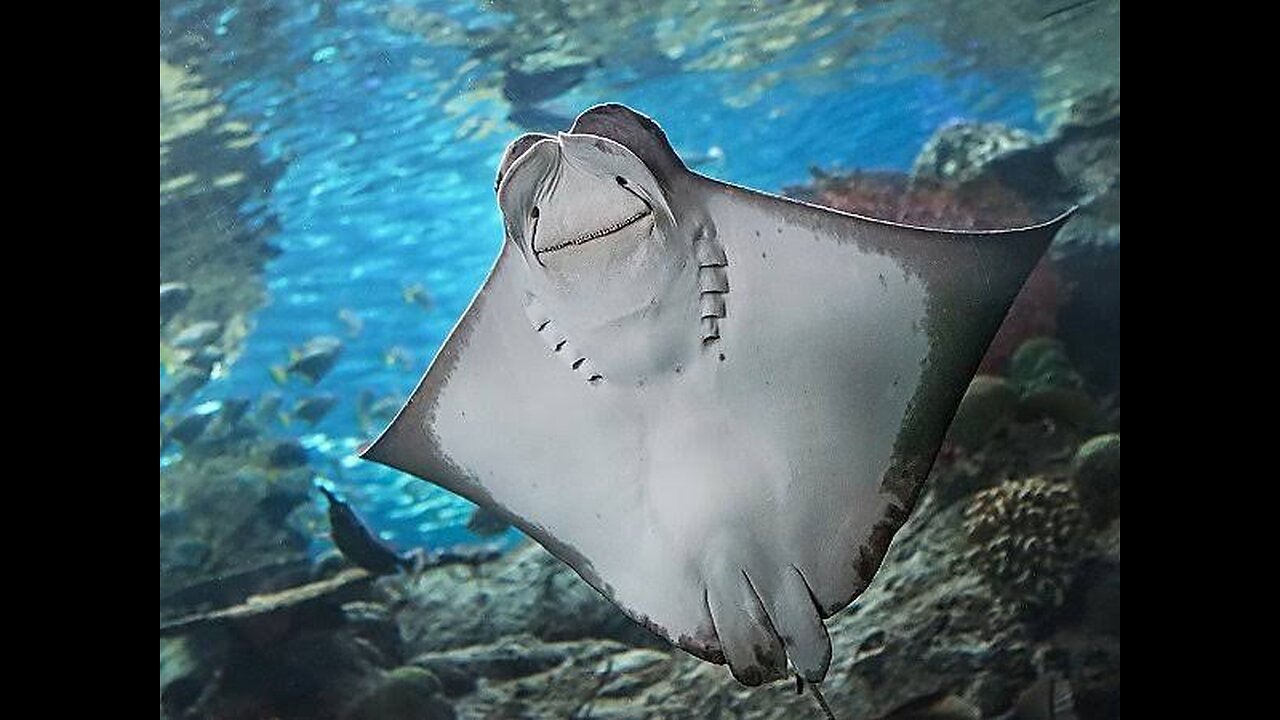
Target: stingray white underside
722,503
718,412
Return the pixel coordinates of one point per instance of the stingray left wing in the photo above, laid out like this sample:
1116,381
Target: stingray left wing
506,420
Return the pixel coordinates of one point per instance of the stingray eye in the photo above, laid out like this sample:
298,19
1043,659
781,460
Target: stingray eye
621,180
534,212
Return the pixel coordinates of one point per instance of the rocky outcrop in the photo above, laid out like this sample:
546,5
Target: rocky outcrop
213,243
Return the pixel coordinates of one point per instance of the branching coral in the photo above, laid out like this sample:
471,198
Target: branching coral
1026,536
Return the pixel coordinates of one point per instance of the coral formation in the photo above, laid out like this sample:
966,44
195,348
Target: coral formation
1050,385
1096,472
1027,536
988,406
959,152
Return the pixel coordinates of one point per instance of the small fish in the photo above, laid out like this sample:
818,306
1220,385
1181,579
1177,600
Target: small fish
416,294
351,321
269,409
313,409
398,357
197,335
371,409
357,543
285,454
173,297
312,361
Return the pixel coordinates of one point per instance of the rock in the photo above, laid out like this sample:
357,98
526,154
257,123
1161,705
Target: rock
631,671
1049,384
526,592
373,622
1027,537
173,297
937,707
197,335
224,498
507,659
1096,472
283,607
1090,111
330,563
960,152
988,406
1071,406
1042,362
455,681
213,234
189,553
406,693
187,670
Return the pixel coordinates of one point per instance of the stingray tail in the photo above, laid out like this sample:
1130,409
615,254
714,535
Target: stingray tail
822,702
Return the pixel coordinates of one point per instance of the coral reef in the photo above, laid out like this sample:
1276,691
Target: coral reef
1027,537
1096,472
1050,386
225,527
489,639
975,205
987,408
959,152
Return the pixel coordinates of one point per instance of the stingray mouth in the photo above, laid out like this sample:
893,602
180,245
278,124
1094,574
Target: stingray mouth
595,234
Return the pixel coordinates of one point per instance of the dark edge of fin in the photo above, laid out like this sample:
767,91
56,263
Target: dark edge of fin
822,702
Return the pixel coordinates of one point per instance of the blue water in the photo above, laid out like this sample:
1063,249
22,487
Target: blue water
383,190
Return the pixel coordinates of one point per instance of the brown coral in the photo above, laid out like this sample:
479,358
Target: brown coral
1026,536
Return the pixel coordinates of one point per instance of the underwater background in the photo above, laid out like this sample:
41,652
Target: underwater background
327,213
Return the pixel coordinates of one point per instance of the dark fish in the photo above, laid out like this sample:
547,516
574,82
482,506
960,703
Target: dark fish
354,539
287,454
233,409
268,408
173,297
190,428
312,361
313,409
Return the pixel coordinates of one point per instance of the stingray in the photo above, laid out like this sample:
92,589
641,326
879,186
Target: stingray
717,405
